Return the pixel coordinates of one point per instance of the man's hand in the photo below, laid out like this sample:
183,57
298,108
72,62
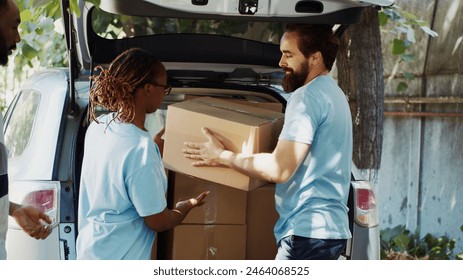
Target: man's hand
207,153
31,221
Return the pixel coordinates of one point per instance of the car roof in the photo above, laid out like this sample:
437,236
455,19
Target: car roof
91,49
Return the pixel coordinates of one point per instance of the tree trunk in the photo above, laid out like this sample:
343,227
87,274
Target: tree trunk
360,75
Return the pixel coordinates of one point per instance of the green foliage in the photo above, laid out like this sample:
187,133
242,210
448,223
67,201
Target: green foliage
402,86
400,243
403,25
42,42
42,45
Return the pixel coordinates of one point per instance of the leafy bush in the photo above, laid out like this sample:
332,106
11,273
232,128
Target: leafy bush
395,20
400,243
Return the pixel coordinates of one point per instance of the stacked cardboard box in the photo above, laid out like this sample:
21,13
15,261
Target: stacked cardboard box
272,106
245,129
216,230
261,217
236,222
232,225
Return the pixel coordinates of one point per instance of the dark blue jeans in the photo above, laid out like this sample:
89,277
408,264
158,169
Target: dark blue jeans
302,248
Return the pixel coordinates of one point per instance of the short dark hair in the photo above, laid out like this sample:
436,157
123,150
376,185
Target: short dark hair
3,4
316,37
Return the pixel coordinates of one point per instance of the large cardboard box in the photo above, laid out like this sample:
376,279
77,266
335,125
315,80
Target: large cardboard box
207,242
260,220
276,107
224,205
242,128
273,106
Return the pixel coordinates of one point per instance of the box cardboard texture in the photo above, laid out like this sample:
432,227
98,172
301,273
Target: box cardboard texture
277,107
261,217
273,106
242,128
224,205
207,242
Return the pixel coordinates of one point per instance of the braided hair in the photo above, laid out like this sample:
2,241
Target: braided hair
114,88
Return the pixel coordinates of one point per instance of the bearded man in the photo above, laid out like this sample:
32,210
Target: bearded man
31,220
311,163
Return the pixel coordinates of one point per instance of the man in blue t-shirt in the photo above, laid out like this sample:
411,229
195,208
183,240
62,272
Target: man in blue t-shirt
30,219
311,163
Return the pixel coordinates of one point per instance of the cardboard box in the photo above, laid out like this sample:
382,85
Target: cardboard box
243,128
260,220
224,205
273,106
207,242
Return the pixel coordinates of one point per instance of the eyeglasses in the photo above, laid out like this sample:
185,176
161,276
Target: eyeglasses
167,88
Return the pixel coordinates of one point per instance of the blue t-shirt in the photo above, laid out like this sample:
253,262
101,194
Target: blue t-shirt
313,202
123,180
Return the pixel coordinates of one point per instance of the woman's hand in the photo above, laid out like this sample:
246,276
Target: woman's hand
184,206
168,219
193,202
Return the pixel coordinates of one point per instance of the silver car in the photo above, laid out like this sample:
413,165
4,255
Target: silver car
225,49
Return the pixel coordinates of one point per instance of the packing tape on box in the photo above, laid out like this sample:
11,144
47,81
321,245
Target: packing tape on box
234,110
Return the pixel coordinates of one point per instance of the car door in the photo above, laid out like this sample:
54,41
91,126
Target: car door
33,124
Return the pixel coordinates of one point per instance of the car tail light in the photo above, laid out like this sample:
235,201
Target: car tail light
365,208
43,195
41,199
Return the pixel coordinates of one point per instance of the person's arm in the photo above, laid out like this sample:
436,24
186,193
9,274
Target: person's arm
30,220
170,218
277,166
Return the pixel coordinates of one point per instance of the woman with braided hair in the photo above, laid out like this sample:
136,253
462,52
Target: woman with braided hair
123,185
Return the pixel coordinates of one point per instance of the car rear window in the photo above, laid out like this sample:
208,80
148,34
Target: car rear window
111,26
19,129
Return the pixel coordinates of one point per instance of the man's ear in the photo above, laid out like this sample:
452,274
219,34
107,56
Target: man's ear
317,57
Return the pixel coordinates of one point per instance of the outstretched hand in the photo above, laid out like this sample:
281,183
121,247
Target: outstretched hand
194,202
207,153
184,206
31,221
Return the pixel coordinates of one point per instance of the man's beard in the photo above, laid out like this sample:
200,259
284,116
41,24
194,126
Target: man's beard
3,51
295,79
